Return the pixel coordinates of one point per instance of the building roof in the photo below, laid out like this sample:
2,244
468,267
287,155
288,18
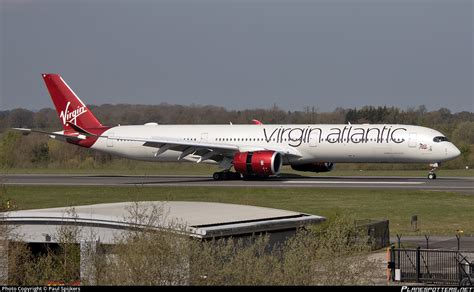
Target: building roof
198,219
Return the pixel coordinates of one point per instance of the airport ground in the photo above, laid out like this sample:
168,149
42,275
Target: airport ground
438,212
441,214
151,168
370,191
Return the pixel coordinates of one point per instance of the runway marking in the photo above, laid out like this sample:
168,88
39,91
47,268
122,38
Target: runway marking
354,182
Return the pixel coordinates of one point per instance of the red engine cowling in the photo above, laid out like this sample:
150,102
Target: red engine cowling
258,163
314,167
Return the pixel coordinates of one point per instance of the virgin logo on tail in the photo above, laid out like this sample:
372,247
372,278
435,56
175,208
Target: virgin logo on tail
70,117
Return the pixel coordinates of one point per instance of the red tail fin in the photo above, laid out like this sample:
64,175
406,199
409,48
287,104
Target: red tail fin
68,105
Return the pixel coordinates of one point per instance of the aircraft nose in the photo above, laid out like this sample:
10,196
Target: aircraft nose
454,151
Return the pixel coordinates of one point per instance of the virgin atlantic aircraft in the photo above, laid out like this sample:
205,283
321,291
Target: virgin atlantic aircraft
256,150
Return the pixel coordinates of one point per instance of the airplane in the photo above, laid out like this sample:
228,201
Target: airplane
254,151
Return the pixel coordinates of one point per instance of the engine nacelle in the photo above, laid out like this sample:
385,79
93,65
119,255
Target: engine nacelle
314,167
258,163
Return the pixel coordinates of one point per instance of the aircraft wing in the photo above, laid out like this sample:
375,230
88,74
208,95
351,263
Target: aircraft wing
205,149
288,151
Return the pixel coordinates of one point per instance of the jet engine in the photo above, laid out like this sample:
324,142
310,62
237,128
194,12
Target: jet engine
260,163
314,167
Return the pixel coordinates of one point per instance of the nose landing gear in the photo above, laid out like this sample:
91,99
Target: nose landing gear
432,174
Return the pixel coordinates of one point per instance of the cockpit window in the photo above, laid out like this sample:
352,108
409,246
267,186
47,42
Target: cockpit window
440,139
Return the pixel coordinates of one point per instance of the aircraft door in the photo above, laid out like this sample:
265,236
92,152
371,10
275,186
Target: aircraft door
204,137
110,142
314,138
412,142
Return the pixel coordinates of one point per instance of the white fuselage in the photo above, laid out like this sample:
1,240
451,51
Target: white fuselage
315,143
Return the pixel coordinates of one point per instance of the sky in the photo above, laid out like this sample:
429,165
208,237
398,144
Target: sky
241,54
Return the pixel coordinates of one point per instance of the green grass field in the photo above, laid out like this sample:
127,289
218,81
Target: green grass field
439,213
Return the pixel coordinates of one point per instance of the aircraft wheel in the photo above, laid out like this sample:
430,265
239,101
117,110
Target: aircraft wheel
432,176
217,176
226,175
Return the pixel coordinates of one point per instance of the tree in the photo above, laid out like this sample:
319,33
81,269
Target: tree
21,118
8,146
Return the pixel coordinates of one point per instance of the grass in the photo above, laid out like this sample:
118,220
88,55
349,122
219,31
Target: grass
439,213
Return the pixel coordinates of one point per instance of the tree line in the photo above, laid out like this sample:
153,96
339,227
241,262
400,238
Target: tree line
18,151
133,114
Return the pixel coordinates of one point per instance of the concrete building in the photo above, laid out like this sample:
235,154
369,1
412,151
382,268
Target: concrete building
102,223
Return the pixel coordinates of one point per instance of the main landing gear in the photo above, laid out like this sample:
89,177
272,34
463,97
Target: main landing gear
432,174
230,175
226,175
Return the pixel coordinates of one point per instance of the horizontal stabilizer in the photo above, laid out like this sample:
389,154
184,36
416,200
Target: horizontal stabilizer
74,136
82,131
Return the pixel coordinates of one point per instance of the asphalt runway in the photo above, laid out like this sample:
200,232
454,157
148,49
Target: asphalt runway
459,184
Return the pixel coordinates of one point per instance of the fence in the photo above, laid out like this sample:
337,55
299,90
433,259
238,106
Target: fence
377,231
431,266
